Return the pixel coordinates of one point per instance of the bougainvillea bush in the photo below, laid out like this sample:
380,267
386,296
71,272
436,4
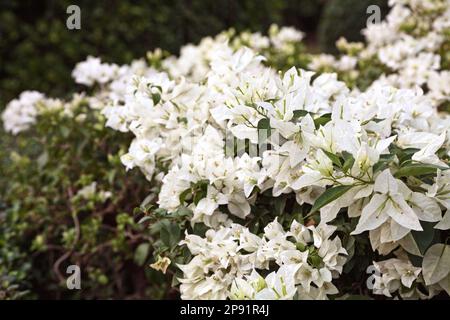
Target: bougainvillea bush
265,180
65,196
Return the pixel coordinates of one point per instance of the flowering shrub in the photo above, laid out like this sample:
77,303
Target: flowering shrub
409,49
367,170
65,196
270,181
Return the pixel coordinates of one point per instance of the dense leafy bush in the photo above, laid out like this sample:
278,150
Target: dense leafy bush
66,200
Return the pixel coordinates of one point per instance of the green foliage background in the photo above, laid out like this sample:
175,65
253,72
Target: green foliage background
38,52
45,226
345,18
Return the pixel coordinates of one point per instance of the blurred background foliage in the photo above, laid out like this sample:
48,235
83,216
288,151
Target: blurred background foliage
345,18
38,52
65,199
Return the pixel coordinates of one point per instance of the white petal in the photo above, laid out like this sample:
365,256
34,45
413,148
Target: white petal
397,231
426,208
403,214
373,215
444,224
385,183
306,180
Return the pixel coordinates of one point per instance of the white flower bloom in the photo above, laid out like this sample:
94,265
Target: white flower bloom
312,266
93,70
21,113
395,275
280,285
388,202
428,153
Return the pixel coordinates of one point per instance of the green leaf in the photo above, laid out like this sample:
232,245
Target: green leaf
170,234
300,113
141,253
350,247
264,124
279,205
424,238
156,97
416,261
436,263
144,219
348,161
183,195
334,158
328,196
403,154
417,169
175,281
199,190
164,233
198,196
383,163
183,212
146,203
322,120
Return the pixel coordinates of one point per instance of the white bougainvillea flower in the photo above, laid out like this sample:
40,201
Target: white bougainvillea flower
395,273
387,203
428,153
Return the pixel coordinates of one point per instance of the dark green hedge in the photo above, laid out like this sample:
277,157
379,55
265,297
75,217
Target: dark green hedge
38,52
345,18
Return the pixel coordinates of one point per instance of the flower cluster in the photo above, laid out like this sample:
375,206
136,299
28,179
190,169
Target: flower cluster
399,275
240,135
226,260
372,157
282,47
396,274
20,114
408,49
